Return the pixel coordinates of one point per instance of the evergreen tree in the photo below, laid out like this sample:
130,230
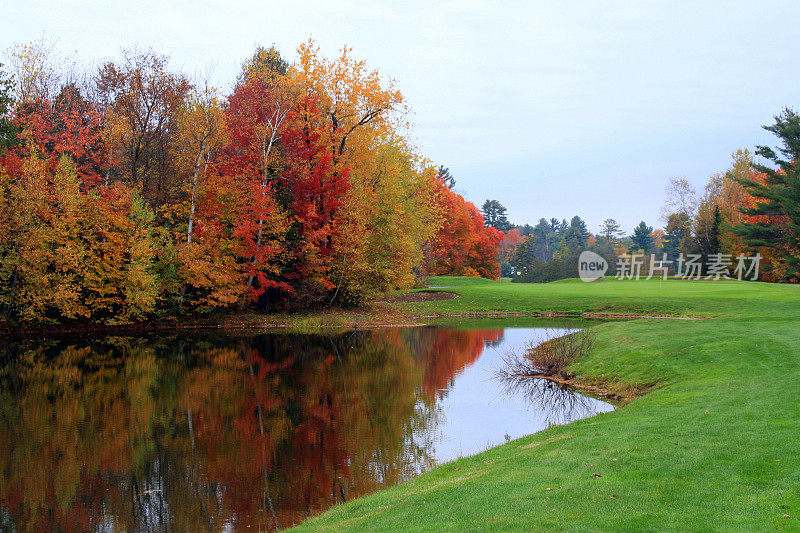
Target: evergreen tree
494,215
778,209
575,235
610,229
526,230
524,255
265,62
443,173
546,240
642,238
677,230
714,234
581,231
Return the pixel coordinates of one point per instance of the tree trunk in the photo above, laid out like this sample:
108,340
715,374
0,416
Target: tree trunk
194,196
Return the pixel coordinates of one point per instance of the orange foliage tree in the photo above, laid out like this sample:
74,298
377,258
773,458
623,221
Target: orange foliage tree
511,239
726,191
462,246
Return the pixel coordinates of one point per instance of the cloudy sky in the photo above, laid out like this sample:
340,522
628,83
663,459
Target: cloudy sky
552,108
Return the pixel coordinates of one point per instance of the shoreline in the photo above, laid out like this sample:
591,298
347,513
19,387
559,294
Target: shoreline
370,317
225,324
574,381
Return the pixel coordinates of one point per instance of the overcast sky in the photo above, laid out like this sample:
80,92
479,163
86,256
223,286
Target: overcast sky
552,108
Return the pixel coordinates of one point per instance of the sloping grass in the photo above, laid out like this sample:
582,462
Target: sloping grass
713,446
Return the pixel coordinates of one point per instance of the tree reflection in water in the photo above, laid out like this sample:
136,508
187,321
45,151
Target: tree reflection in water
210,432
560,404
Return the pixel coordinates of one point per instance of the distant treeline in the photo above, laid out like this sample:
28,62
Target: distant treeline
752,207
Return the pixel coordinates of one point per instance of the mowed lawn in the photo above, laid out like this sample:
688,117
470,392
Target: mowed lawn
712,445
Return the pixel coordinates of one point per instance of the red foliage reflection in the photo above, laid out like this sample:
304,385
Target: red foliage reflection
203,433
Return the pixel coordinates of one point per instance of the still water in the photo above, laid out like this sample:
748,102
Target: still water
218,433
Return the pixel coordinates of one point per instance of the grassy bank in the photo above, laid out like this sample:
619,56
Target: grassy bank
713,445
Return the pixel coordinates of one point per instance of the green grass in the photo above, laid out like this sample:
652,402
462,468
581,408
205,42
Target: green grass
713,445
673,297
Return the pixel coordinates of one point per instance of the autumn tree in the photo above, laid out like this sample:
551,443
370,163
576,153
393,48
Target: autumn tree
463,245
314,195
142,98
71,253
120,283
256,117
261,101
510,240
207,274
35,70
362,115
69,125
46,259
357,103
396,193
197,143
725,189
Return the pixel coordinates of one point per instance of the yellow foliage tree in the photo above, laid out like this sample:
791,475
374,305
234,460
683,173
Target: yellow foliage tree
386,216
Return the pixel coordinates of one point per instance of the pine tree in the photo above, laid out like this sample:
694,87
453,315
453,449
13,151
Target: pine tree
716,230
575,236
777,214
443,173
610,229
494,215
524,255
545,241
642,238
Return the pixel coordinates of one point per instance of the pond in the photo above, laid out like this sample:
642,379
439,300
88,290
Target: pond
208,432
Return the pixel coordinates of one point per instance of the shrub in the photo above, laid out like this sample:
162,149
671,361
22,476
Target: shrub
549,354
